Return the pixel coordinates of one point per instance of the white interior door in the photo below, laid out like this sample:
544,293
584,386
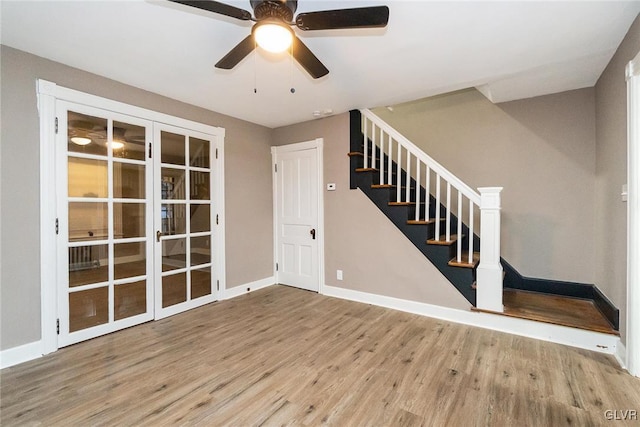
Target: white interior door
186,218
104,226
296,203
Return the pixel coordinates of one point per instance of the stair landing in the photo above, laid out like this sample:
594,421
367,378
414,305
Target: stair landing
556,309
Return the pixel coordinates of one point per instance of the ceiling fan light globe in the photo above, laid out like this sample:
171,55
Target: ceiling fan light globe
79,140
273,37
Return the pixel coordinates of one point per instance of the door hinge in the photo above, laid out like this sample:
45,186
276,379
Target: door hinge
276,165
58,326
150,150
216,153
56,125
217,219
276,266
57,226
218,285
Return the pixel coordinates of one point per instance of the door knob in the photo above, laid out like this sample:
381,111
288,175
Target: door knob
158,235
313,233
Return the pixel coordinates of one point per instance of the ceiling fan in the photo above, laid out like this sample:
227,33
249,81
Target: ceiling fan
272,29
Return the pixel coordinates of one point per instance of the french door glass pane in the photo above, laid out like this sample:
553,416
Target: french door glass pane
88,264
174,254
130,141
173,185
200,282
200,250
129,220
173,148
88,308
88,221
199,185
130,299
87,178
174,219
86,134
198,153
129,180
174,289
130,259
200,218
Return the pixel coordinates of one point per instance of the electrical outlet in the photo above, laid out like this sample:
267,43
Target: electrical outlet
339,274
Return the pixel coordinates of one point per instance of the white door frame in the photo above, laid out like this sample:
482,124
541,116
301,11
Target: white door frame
47,93
633,217
318,144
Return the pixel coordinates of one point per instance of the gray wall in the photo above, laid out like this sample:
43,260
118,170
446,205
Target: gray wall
373,254
611,173
249,235
541,150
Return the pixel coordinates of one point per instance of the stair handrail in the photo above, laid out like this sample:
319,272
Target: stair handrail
457,183
489,270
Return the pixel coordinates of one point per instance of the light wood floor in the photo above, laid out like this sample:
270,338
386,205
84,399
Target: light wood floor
286,356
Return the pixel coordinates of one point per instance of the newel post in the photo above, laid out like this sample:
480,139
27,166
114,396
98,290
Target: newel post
489,272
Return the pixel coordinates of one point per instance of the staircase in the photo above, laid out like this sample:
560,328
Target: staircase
443,224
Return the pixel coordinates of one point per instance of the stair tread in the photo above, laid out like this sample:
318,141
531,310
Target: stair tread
464,262
355,154
442,240
366,170
401,203
422,221
555,309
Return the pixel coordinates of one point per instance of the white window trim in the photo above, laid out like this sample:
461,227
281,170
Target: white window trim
633,217
47,94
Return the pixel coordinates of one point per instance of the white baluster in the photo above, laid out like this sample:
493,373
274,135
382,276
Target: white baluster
427,214
398,174
437,237
417,189
366,144
389,162
448,232
459,249
489,273
408,181
373,145
470,232
381,157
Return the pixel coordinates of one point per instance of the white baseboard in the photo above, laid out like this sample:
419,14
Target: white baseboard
248,287
22,353
603,343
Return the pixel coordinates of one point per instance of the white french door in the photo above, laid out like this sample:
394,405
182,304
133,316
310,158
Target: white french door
105,222
296,214
185,220
137,213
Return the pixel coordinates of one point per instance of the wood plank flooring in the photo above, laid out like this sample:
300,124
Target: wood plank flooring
282,356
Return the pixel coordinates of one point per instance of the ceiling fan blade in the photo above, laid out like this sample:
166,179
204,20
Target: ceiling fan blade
217,7
308,60
237,54
362,17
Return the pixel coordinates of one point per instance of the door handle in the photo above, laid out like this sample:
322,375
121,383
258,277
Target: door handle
158,235
313,233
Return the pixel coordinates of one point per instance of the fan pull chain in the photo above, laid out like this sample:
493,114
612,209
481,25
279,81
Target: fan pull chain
255,66
293,90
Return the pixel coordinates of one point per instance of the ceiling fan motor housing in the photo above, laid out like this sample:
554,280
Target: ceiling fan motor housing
279,9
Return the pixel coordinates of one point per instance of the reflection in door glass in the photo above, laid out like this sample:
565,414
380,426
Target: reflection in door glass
174,289
198,153
173,148
88,221
200,282
87,178
129,181
88,308
174,219
86,134
200,218
88,264
129,141
130,299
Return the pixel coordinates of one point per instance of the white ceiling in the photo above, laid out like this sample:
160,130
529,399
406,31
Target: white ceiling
509,50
